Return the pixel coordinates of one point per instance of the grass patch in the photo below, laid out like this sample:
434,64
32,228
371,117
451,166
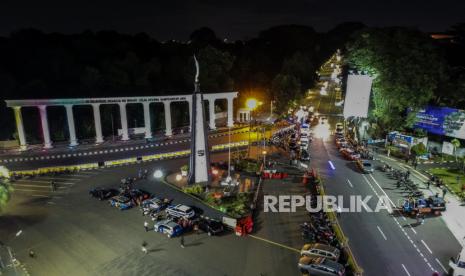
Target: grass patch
449,176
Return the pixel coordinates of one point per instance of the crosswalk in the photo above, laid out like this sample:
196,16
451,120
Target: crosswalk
40,186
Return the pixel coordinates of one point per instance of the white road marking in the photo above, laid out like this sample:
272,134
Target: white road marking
43,181
39,186
350,184
413,230
440,264
427,247
60,178
405,269
381,231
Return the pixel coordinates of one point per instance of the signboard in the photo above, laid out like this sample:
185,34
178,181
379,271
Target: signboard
377,141
447,148
442,121
357,96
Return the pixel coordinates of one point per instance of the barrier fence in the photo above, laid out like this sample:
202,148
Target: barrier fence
120,162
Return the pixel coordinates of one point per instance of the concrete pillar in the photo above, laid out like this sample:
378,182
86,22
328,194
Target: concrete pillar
148,127
72,130
124,121
211,109
45,129
98,124
169,130
20,127
189,104
230,112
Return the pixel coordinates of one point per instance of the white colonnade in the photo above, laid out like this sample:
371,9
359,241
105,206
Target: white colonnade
122,102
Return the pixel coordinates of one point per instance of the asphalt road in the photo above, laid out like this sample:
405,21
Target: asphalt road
383,244
73,234
177,145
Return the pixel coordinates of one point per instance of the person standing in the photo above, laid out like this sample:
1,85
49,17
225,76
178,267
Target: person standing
144,248
444,191
182,241
146,226
338,211
422,218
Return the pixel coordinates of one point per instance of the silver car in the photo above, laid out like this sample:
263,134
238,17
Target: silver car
320,250
320,267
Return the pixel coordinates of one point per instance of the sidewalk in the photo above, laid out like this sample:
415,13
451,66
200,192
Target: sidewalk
454,216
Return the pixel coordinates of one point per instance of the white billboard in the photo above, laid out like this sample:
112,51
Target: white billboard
357,96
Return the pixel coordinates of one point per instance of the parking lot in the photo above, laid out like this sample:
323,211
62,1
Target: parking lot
74,234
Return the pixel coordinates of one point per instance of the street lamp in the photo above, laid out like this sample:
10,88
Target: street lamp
251,105
264,158
158,174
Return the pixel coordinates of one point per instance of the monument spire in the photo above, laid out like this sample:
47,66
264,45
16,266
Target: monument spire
199,161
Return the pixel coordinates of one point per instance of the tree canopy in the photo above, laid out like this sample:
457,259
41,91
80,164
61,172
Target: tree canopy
407,68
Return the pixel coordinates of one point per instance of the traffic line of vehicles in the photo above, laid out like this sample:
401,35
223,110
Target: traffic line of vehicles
170,219
349,152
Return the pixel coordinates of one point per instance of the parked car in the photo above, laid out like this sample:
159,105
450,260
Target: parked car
102,194
304,156
365,166
320,266
211,227
168,227
180,211
320,250
350,154
121,202
153,204
339,128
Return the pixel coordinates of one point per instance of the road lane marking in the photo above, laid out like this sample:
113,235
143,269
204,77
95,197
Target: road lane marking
275,243
61,178
39,186
379,186
381,231
413,230
405,269
43,181
427,247
350,184
440,264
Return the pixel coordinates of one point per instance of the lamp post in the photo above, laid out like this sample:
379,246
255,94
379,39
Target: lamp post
251,105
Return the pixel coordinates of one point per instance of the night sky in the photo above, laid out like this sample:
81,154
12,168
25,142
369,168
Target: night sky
238,19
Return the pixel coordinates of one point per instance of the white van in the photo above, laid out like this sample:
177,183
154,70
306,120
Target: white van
457,265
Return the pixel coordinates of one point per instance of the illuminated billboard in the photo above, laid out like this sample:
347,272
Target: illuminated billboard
357,96
442,120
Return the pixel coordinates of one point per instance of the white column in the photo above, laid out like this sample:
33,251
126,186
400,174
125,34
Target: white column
20,127
230,112
72,130
211,109
124,121
45,129
189,104
98,124
168,131
148,127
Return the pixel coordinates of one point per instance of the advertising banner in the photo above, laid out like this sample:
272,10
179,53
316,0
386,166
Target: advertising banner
442,120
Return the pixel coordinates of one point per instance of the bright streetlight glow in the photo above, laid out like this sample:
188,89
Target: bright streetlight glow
178,177
251,103
158,174
215,172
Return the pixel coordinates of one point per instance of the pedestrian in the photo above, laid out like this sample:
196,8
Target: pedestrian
428,184
415,163
338,211
146,226
418,217
32,254
182,241
144,248
422,218
444,192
